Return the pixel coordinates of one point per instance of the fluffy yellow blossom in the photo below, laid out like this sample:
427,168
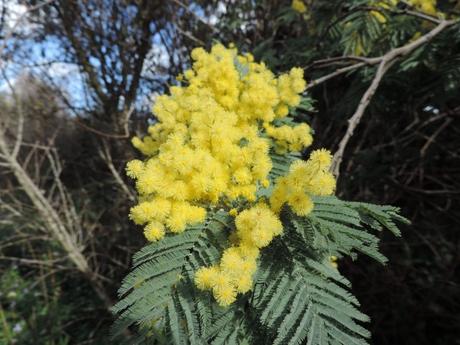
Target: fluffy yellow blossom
208,143
233,212
257,226
210,147
426,6
289,138
134,168
323,158
142,213
304,180
225,294
299,6
243,283
231,261
205,277
154,231
289,87
255,229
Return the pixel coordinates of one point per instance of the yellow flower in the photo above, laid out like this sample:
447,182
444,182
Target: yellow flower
257,226
225,294
426,6
154,231
323,157
233,212
134,168
231,261
243,283
301,203
305,179
299,6
142,213
205,277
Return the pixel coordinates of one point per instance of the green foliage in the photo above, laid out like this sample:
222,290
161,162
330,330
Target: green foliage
27,316
297,298
48,309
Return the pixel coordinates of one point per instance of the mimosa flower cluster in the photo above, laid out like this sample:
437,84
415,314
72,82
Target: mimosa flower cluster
299,6
209,144
210,149
255,229
425,6
305,179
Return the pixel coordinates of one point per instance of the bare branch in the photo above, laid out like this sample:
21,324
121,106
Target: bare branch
432,138
356,118
66,234
105,154
385,62
338,72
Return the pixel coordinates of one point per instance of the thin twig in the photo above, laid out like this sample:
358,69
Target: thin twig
338,72
10,33
105,154
185,7
433,137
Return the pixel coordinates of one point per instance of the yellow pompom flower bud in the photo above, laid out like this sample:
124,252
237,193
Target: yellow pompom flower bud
142,213
322,157
154,231
134,168
333,261
205,277
231,261
299,6
225,294
243,284
233,212
300,203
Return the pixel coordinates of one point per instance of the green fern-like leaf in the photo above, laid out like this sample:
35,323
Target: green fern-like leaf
308,305
159,294
302,299
297,298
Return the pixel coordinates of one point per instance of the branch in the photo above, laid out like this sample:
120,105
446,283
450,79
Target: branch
385,62
67,234
340,71
10,33
105,154
356,118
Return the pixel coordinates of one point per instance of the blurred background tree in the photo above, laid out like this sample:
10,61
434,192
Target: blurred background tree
77,81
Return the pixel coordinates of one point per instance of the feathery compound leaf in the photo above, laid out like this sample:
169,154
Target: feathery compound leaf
309,301
159,292
312,306
341,227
